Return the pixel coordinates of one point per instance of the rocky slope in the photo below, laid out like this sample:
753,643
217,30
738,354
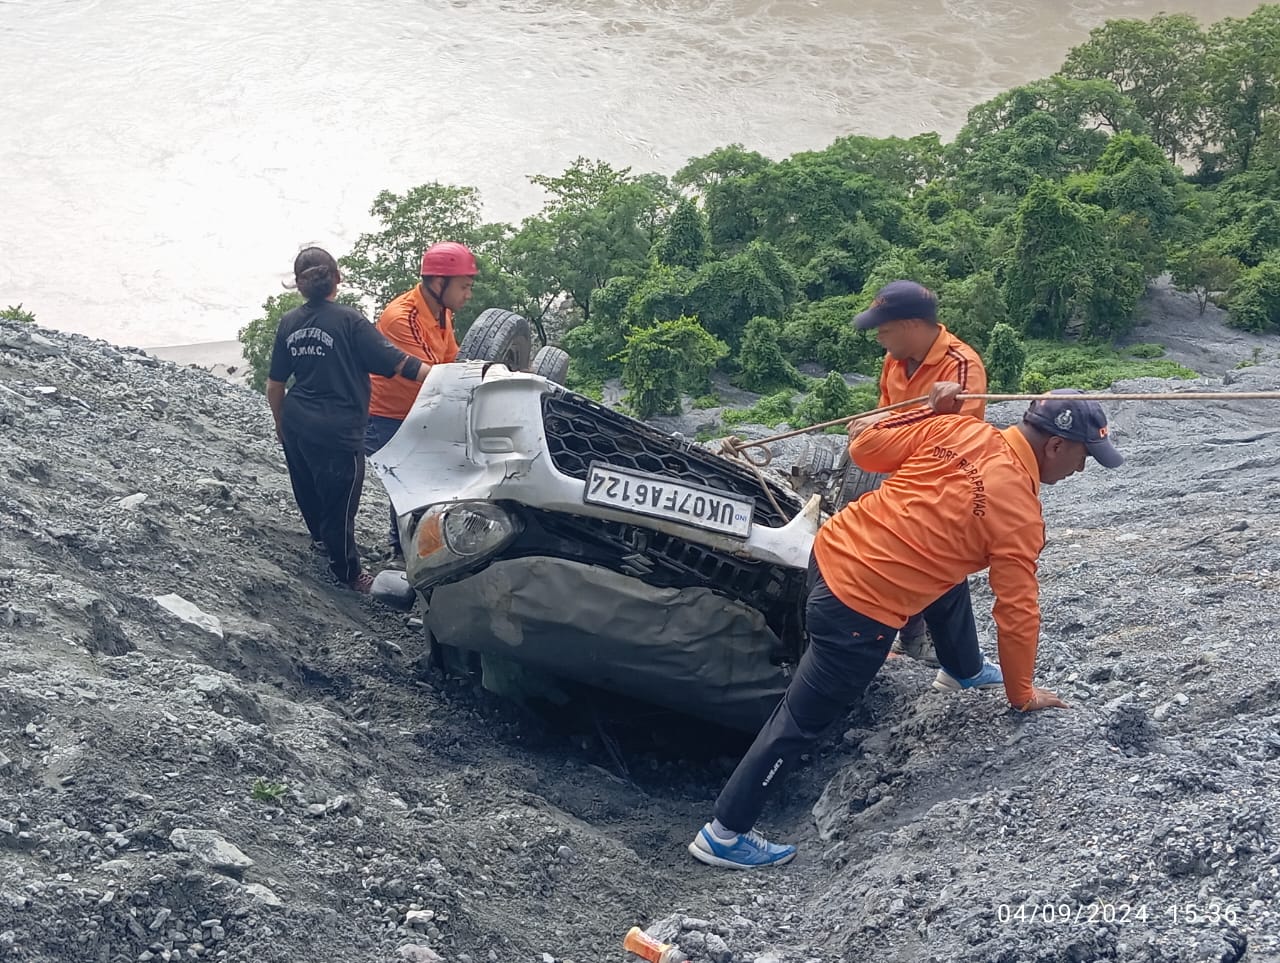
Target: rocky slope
273,776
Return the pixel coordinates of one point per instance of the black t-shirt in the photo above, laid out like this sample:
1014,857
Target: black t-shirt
330,349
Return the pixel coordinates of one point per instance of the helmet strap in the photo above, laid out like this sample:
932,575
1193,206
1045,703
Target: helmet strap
438,298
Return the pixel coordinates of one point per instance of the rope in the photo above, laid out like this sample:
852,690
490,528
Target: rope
736,447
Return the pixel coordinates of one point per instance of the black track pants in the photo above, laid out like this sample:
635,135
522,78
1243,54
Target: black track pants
327,483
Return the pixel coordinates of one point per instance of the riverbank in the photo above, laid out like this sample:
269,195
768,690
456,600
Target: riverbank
222,358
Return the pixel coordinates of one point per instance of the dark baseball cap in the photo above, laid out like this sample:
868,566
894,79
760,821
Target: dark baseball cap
1082,421
897,301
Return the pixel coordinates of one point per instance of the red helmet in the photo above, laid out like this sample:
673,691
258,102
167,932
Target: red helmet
449,259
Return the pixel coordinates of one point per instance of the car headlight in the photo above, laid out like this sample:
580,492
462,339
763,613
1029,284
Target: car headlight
458,534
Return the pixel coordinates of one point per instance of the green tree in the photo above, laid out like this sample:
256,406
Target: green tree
726,294
582,186
1242,70
842,267
763,369
1004,358
259,336
830,399
1061,275
1255,299
388,262
595,227
661,295
1203,272
1158,65
803,203
823,332
1247,226
721,165
660,362
972,306
908,163
686,242
897,264
958,244
1049,128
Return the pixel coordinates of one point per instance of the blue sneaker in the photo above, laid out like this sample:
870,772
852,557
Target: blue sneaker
988,677
746,851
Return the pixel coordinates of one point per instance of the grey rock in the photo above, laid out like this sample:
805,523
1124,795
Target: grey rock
419,953
717,950
190,612
263,895
211,849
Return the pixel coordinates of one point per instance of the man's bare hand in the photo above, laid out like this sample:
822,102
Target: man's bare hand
1042,699
944,398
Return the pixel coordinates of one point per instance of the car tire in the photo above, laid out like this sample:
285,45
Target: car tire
853,483
814,459
552,363
500,336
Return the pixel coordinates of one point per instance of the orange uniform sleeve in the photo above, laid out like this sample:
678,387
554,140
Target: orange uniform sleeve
975,383
884,446
1017,609
394,324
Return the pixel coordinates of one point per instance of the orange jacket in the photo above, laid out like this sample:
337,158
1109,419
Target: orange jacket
409,324
949,359
963,496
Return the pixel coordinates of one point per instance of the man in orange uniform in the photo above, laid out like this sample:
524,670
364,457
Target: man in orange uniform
419,323
919,353
963,496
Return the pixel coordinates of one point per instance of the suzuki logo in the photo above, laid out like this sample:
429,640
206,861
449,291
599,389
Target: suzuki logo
636,565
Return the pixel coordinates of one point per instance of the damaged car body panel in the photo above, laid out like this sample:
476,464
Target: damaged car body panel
548,529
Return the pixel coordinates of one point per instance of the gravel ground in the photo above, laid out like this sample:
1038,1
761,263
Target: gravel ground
273,776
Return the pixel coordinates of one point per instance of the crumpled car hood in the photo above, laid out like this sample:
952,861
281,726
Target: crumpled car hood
476,432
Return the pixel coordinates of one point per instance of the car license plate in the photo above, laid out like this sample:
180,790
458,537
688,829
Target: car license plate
675,501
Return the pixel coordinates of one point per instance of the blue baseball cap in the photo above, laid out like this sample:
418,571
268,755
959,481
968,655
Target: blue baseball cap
1082,421
897,301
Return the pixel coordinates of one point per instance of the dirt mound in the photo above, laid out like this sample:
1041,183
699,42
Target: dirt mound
209,750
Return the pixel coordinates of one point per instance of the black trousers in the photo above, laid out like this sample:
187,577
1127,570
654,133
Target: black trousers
378,433
327,483
846,650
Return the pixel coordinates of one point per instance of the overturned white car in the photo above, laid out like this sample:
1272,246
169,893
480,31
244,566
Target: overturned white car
544,528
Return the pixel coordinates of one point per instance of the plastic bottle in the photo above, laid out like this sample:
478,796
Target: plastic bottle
640,943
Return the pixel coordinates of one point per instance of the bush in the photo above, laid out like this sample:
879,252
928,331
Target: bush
1004,358
1255,298
1147,351
1034,383
772,410
662,361
761,364
1091,367
259,336
14,312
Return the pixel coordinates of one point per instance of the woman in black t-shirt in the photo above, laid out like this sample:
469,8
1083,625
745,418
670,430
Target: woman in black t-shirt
329,349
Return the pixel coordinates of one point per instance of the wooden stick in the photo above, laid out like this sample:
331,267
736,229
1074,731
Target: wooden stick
736,446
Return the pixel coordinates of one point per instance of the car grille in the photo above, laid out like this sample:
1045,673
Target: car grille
579,431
